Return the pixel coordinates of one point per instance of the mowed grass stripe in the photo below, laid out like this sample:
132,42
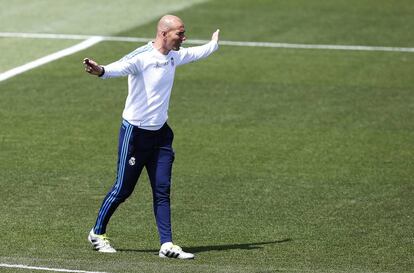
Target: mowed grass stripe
67,16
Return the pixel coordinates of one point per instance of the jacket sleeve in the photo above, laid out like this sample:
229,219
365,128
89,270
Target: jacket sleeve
121,68
196,53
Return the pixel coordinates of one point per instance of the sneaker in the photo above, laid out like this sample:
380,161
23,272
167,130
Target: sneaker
100,242
169,250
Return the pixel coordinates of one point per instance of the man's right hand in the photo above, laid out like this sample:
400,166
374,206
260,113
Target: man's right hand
92,67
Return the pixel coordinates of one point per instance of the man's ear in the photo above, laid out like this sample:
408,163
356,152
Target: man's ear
164,35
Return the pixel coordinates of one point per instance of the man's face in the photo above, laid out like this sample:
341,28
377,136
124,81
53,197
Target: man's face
175,37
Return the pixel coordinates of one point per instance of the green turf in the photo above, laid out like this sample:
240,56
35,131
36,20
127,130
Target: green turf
286,160
349,22
17,51
83,17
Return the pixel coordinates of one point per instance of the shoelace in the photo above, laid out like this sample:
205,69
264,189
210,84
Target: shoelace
104,238
176,248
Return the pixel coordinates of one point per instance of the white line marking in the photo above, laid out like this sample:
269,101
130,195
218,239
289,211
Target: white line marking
43,36
229,43
92,40
312,46
21,266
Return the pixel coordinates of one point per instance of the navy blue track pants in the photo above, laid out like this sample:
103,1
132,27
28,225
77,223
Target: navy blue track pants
139,148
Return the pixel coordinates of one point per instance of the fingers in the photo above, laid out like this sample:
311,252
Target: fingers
90,66
216,35
89,69
89,62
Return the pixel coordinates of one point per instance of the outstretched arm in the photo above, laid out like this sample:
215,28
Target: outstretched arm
93,67
116,69
195,53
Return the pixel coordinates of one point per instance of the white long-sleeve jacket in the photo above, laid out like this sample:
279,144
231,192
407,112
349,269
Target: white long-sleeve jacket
150,80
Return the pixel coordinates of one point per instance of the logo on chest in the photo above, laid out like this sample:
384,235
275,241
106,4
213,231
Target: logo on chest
163,64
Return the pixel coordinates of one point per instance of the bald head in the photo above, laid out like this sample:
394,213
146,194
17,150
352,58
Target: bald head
170,34
168,22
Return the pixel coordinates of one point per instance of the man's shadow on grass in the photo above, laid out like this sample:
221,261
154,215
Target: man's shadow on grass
198,249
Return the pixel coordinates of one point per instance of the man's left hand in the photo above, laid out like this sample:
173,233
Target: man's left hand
215,36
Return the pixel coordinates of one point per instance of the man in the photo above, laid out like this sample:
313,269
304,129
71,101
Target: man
145,139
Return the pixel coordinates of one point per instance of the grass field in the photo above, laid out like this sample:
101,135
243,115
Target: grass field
287,160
